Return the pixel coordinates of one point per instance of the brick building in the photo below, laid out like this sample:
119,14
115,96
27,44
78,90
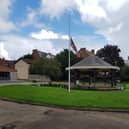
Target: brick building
7,70
83,53
23,65
36,54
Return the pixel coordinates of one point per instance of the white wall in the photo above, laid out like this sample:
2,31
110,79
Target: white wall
22,70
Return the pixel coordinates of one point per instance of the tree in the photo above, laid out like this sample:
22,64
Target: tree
48,67
124,73
111,54
62,57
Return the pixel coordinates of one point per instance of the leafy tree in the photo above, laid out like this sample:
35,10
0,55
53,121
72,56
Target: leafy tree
124,73
48,67
62,57
111,54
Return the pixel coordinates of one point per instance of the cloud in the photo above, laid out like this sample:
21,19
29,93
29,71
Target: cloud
17,46
90,9
55,8
89,42
114,5
111,21
5,24
14,46
65,37
116,29
44,34
32,19
48,34
3,51
109,17
5,8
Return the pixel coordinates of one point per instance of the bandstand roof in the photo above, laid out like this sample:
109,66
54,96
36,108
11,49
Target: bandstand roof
93,62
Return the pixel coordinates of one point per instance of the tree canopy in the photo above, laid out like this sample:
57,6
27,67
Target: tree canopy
124,73
62,57
48,67
111,54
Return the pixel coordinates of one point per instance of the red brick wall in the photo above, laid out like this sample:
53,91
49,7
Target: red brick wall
83,53
35,54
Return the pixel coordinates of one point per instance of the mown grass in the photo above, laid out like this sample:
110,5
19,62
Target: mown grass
61,97
126,85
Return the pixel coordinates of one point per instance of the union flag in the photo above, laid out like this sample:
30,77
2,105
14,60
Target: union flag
73,45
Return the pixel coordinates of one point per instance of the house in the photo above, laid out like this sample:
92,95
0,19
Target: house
7,70
22,66
36,55
13,70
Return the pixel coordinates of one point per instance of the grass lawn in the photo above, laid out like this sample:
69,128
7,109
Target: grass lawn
61,97
126,85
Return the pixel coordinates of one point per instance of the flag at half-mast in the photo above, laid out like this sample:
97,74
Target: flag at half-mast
73,45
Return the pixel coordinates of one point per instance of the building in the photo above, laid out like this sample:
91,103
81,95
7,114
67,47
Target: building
36,55
83,53
22,68
7,70
13,70
91,66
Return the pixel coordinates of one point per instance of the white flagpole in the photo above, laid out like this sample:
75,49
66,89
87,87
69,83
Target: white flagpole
69,79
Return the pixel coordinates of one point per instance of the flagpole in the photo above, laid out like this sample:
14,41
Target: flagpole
69,72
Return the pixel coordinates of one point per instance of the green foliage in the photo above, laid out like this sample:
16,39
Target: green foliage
124,73
61,97
111,54
126,85
48,67
62,57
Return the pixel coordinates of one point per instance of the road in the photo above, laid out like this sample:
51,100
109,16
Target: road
24,116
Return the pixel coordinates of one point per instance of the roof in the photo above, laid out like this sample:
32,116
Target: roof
93,62
36,54
7,62
44,54
28,61
6,69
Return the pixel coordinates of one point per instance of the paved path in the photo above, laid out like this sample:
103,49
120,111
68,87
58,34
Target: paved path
17,82
25,116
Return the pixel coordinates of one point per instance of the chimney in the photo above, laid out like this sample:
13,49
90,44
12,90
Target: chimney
83,53
35,54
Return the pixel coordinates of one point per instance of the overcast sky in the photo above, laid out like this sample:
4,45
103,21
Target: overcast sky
43,24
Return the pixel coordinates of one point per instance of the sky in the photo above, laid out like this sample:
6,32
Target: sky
44,25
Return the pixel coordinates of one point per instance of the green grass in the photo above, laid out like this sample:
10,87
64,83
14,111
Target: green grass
61,97
126,85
